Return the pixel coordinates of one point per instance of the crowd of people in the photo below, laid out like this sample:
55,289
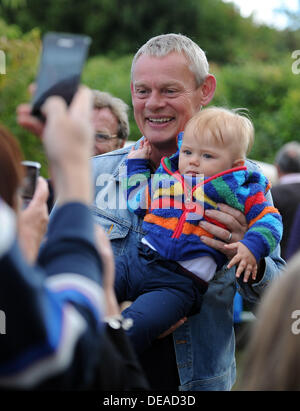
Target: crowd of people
198,224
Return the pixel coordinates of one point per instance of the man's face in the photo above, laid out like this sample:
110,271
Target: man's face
164,97
106,124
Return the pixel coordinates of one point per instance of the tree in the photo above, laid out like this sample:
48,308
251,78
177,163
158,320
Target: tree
120,27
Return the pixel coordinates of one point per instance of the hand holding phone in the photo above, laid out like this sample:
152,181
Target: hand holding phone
62,60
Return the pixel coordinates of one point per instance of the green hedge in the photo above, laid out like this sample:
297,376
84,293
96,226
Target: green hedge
271,92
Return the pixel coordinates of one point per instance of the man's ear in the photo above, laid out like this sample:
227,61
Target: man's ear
208,89
131,89
121,142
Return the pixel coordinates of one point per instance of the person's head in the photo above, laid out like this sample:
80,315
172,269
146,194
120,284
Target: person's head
11,170
287,160
215,139
272,360
110,120
170,82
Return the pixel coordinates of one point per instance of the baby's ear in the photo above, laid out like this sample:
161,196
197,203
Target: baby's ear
238,163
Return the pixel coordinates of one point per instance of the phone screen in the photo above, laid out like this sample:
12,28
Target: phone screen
63,57
29,184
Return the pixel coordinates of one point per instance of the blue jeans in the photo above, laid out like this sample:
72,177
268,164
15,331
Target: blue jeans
163,292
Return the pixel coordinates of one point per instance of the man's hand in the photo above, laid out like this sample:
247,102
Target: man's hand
28,121
245,259
173,328
235,222
33,221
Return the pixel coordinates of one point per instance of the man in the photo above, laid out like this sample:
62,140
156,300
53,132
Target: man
111,123
170,82
286,194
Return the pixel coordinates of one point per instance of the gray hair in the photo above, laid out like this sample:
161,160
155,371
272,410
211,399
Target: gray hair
118,107
288,158
164,44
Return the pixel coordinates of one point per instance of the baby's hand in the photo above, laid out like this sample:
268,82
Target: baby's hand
245,260
143,151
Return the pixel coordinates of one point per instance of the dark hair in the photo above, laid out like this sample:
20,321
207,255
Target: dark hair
11,170
288,158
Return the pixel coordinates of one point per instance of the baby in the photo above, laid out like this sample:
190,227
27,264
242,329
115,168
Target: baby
168,273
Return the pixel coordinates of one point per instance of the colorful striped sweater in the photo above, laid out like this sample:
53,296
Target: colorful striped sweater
172,208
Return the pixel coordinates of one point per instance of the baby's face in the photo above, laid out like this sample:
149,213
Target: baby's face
200,156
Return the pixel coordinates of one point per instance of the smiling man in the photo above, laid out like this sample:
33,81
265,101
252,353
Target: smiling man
170,82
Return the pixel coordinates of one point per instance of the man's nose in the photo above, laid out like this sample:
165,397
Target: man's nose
155,101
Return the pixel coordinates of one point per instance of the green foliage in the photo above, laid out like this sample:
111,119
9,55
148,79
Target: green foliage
271,94
21,53
252,63
121,26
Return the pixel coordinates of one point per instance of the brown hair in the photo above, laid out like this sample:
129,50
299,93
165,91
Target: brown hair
273,355
11,170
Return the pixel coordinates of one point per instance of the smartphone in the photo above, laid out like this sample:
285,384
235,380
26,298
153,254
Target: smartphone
62,61
30,180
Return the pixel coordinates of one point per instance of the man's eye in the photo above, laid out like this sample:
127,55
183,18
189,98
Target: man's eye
141,91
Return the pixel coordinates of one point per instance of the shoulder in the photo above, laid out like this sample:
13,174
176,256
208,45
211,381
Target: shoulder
254,175
253,166
109,163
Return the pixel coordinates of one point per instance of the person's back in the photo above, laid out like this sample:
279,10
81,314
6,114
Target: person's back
293,244
272,357
286,194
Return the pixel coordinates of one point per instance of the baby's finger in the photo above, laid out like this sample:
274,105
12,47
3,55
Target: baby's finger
247,273
240,269
231,246
233,261
254,272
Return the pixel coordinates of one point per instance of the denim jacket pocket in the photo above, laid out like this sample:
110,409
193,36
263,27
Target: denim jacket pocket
116,229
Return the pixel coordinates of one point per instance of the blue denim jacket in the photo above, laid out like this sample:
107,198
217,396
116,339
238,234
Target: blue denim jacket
205,344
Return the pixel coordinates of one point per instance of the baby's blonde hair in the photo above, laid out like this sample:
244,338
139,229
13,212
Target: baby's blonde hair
226,126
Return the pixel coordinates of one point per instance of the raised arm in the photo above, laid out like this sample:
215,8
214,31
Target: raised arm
54,311
136,179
